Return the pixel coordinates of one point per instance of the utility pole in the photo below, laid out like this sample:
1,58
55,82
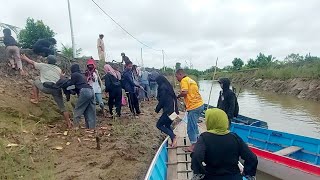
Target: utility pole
164,68
141,59
72,36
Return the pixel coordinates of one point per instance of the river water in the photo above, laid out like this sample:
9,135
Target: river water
281,112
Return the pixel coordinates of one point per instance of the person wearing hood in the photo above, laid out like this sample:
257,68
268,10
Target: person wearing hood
12,51
50,73
168,103
227,100
220,150
130,87
113,87
94,81
43,47
85,104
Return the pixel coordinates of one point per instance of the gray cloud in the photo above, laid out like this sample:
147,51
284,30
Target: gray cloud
196,30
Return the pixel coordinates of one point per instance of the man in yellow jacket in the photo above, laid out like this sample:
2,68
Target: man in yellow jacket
194,104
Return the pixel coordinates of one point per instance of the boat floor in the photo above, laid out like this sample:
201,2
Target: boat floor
179,162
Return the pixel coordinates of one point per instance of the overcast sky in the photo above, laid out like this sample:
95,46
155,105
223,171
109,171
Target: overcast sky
198,31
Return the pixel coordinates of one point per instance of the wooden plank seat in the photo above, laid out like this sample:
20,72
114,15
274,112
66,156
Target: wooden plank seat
288,150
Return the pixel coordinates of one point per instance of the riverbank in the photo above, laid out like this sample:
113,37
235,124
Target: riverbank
304,88
36,144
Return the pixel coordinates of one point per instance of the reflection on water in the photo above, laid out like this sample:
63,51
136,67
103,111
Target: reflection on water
283,113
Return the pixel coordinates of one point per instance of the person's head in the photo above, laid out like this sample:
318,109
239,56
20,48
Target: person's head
6,32
75,68
224,83
107,68
123,54
217,121
91,64
52,59
180,74
52,41
101,36
129,65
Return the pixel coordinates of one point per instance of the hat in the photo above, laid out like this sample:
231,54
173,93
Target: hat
52,59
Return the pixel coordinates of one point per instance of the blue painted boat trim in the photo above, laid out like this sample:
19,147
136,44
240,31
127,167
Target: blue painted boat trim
158,167
273,141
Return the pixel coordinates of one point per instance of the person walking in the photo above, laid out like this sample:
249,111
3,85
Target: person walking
168,103
131,87
194,105
94,81
113,87
227,100
12,51
144,80
101,48
220,150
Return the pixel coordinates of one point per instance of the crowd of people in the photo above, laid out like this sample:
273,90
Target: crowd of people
140,85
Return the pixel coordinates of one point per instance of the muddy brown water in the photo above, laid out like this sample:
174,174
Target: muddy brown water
281,112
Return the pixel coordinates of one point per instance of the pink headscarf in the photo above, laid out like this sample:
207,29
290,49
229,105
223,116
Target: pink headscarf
109,70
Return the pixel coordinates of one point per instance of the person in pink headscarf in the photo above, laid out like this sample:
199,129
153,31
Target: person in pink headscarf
113,87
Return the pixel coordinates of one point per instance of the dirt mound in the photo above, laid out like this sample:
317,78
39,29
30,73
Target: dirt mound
35,144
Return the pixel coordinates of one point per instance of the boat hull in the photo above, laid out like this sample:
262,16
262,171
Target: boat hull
275,166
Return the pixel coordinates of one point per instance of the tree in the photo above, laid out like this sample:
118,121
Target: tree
178,65
237,63
294,58
67,51
33,31
251,63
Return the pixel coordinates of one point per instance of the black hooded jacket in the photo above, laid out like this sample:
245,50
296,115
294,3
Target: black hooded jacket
166,97
77,79
227,99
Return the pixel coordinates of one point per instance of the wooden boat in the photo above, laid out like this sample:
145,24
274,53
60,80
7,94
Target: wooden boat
172,163
245,120
283,155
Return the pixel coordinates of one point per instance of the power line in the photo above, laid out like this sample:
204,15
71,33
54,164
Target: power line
124,28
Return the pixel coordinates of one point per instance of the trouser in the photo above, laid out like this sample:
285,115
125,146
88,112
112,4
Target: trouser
192,126
115,100
101,55
99,100
13,53
133,102
164,124
85,106
56,94
43,51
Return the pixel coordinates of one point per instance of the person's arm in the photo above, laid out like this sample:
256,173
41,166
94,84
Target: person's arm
250,159
26,59
131,82
231,101
198,156
184,88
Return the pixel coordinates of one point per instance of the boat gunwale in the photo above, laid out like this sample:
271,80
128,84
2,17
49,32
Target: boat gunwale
287,161
155,158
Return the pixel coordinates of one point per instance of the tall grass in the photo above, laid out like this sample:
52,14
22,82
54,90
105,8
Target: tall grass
309,70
